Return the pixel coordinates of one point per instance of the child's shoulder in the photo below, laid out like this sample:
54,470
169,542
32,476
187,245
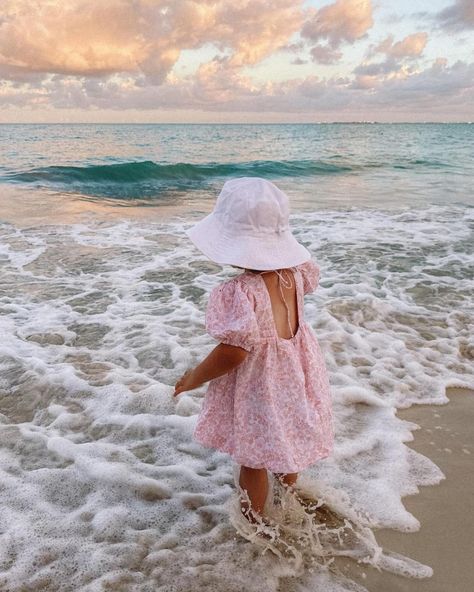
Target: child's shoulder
236,286
308,265
230,298
310,272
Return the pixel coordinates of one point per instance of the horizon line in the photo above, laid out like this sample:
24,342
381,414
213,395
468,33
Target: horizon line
224,122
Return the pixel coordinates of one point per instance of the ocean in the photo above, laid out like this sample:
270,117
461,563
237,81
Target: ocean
102,301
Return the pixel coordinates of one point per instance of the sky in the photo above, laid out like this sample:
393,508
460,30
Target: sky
237,61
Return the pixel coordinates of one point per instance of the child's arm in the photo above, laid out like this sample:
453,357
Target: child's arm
222,359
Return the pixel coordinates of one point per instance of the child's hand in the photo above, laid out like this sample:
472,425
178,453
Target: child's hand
186,383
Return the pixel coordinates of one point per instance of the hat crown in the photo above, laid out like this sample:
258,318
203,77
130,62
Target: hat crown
252,204
249,227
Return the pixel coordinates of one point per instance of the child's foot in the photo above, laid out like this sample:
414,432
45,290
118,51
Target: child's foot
320,511
252,516
269,536
257,519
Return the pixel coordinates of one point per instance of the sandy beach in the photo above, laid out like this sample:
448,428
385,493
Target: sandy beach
445,511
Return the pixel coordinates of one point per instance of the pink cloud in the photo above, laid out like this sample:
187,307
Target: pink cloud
438,89
411,46
90,38
71,37
343,21
89,55
399,60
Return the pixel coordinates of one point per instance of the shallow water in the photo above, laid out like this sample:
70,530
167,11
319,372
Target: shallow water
325,165
102,309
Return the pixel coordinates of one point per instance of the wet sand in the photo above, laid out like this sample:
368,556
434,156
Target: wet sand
36,207
446,511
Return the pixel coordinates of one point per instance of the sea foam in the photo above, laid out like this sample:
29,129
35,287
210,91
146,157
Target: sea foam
103,486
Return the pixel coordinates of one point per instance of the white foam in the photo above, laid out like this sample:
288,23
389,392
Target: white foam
102,484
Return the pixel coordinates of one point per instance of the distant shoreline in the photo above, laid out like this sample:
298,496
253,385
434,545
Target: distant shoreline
236,123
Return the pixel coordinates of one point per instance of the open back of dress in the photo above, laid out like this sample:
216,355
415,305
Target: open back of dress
283,296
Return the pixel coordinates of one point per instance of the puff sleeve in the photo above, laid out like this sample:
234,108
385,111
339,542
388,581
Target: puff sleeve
230,316
310,274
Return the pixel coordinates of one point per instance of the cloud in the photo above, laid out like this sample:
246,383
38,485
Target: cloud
377,69
459,16
119,55
253,29
324,54
369,74
76,37
410,47
90,38
293,47
343,21
439,90
298,61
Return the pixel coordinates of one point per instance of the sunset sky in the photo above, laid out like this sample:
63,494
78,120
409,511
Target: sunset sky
236,60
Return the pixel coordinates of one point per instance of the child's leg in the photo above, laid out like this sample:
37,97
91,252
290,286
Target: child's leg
287,478
255,481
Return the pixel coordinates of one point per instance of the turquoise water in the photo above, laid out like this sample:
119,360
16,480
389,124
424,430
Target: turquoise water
320,165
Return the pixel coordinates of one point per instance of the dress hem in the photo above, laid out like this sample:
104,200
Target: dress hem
241,462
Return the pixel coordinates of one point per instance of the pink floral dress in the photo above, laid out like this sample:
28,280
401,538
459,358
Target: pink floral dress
274,410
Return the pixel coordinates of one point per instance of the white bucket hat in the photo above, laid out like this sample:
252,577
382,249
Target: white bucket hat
249,227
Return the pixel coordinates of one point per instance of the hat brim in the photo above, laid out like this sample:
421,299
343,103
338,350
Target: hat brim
265,252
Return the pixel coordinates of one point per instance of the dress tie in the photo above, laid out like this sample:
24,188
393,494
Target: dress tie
288,284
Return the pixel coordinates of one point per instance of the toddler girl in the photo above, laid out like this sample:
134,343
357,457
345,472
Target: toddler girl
268,402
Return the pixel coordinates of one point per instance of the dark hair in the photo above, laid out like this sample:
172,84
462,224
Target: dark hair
246,269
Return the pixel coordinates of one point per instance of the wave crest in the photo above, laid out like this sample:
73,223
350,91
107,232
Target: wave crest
147,178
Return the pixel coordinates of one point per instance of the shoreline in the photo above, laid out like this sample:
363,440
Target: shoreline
445,511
